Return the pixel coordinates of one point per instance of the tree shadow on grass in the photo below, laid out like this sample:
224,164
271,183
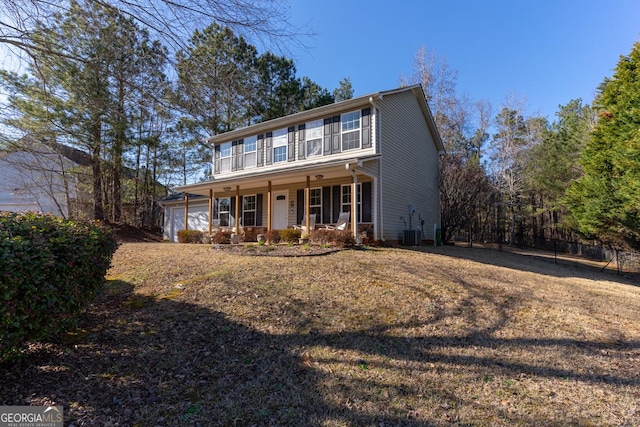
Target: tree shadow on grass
534,261
139,360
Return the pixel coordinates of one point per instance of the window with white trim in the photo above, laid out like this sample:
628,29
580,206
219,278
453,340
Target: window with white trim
224,211
280,145
345,204
315,203
250,152
313,133
350,129
225,157
249,210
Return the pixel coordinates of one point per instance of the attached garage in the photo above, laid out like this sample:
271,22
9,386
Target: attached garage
174,215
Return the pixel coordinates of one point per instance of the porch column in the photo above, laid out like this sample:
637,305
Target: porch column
374,205
186,211
269,206
307,195
210,210
238,201
354,206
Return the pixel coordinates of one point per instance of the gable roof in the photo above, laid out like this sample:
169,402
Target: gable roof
30,144
337,107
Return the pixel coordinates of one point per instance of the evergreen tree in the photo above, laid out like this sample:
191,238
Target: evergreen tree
605,202
344,91
99,65
551,167
216,81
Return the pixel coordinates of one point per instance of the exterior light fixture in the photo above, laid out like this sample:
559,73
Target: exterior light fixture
319,177
227,188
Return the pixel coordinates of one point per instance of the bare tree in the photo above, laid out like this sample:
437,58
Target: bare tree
462,123
464,189
516,134
44,174
437,79
263,21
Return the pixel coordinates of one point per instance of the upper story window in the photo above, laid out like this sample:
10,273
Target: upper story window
250,156
280,145
314,137
225,157
350,130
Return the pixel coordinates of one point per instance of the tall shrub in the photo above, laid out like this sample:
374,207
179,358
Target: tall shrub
50,270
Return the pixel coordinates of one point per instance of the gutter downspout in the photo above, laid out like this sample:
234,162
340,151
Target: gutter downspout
379,151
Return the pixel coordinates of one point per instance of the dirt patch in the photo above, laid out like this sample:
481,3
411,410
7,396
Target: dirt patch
126,233
282,250
187,335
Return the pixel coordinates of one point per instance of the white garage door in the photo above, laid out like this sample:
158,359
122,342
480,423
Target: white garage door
198,220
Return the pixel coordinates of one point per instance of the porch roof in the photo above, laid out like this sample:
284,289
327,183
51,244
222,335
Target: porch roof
258,177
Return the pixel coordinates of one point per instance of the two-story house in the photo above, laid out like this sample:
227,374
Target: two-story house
375,156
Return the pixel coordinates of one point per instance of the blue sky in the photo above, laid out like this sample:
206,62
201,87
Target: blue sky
546,51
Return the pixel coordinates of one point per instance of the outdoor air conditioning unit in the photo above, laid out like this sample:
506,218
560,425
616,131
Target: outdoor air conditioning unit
411,237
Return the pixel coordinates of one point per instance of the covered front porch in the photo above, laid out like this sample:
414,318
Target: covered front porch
279,199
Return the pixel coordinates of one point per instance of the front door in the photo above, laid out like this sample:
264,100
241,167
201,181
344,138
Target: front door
280,214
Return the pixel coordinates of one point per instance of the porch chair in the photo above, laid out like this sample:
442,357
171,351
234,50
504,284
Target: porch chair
342,223
312,224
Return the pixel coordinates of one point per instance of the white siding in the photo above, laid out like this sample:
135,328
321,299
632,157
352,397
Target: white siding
31,182
410,167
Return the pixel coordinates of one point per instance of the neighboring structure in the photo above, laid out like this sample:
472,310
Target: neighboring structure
43,178
378,153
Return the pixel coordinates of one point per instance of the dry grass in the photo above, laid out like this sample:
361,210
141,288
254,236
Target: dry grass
186,335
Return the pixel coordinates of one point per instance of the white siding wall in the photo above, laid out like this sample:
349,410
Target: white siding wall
33,183
410,167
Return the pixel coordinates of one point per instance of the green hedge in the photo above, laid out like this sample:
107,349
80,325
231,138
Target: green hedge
50,270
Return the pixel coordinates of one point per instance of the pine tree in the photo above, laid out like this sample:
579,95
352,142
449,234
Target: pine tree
98,68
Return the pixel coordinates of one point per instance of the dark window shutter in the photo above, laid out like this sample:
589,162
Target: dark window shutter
300,206
216,159
215,208
269,148
301,143
260,150
259,210
326,205
335,135
366,201
327,137
365,120
336,202
234,155
240,158
291,144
